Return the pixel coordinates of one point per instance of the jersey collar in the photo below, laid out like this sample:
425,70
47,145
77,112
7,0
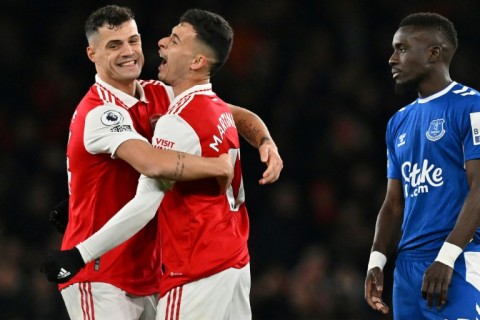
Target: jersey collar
438,94
198,89
126,99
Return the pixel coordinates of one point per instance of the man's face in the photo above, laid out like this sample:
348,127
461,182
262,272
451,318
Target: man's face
178,51
409,60
117,53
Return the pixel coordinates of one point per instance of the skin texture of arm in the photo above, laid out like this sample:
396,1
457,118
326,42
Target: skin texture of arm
174,165
387,235
254,130
438,276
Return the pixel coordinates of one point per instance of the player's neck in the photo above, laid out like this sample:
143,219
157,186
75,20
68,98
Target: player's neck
433,87
187,84
127,87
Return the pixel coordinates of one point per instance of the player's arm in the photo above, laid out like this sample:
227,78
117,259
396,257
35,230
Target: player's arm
61,266
173,165
253,129
109,129
166,164
387,235
438,276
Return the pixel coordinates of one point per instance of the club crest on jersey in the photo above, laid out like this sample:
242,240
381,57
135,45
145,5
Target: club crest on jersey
154,119
111,118
435,130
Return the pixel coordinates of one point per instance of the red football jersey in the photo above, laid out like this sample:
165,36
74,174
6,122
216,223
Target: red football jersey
101,185
202,231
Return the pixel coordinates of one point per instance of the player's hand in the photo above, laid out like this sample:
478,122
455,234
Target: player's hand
58,217
225,180
435,284
270,156
374,290
61,266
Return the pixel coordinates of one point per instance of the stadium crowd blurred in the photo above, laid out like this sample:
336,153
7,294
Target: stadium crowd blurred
315,71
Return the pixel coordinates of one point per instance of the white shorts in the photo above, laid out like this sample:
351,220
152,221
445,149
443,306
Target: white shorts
103,301
223,296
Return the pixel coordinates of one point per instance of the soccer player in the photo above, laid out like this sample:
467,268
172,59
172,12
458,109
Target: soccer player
108,146
206,270
432,203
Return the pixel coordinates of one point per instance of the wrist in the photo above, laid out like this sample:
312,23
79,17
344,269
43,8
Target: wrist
448,254
83,253
265,140
377,259
77,257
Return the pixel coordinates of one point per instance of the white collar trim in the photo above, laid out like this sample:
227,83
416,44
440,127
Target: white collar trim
127,99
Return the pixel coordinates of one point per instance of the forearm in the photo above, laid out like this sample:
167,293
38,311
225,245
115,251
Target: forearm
182,166
390,218
467,221
469,218
250,126
387,229
169,164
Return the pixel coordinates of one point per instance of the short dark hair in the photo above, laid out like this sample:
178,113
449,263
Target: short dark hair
434,21
214,31
112,15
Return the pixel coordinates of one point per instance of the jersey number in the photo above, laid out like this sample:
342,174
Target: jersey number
235,193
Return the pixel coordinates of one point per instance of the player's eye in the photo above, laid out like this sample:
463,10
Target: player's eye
113,45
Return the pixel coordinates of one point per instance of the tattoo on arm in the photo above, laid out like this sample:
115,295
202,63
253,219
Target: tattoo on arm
249,132
179,170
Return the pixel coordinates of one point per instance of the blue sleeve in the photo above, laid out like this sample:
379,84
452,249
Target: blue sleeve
393,167
470,123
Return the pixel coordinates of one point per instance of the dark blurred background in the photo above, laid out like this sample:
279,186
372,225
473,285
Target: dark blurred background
315,71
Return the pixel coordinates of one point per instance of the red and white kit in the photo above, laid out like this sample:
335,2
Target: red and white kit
101,185
202,232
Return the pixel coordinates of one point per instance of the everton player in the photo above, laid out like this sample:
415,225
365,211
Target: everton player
431,211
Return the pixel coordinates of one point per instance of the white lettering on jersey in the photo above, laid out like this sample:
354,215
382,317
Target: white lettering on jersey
225,121
235,192
475,124
420,179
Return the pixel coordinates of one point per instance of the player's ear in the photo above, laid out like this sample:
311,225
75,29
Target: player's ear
91,54
434,53
200,61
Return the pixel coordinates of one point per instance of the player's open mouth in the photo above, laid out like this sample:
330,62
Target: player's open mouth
163,62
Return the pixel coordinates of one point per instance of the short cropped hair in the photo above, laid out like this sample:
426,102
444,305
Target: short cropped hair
111,15
214,31
434,21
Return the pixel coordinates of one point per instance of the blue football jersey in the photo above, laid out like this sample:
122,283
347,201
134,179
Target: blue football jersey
428,143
